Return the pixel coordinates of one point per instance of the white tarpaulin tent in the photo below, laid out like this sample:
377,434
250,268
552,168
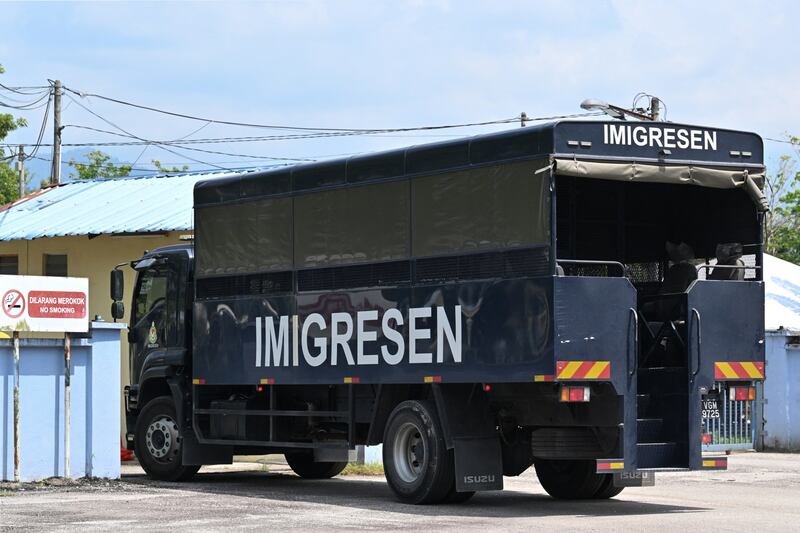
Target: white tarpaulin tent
782,324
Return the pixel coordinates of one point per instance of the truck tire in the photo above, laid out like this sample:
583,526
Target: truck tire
158,442
418,467
569,480
304,465
458,497
607,489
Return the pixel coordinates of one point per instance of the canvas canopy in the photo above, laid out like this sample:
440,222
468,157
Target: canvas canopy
677,174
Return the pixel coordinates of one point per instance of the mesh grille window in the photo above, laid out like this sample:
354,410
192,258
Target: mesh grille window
244,238
508,264
644,272
356,276
352,225
251,285
504,206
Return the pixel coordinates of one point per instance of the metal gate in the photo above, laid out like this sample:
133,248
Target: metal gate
735,429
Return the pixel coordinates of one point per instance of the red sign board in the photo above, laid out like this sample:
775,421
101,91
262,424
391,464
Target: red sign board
56,304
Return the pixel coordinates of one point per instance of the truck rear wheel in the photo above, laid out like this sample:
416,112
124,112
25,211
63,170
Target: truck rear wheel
570,480
304,465
418,466
607,489
158,442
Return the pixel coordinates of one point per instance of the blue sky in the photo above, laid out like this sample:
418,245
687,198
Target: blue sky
403,63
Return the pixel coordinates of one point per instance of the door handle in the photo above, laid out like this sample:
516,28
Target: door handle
696,313
632,368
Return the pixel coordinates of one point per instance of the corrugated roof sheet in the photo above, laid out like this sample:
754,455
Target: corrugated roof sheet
104,206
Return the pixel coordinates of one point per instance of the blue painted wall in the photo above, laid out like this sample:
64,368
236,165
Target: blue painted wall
95,416
782,391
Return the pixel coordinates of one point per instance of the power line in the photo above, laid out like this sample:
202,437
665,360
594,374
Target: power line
785,141
283,127
171,143
41,130
141,139
29,106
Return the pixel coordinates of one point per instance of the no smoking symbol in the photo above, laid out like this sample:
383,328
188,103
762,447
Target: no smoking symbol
13,303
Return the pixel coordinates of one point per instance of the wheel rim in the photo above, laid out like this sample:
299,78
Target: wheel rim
162,439
409,453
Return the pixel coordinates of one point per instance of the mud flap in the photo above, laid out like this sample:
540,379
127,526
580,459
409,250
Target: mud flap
194,453
635,479
470,431
479,464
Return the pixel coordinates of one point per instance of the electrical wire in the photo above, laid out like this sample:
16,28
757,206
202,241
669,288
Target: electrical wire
145,140
41,129
29,106
784,141
283,127
19,90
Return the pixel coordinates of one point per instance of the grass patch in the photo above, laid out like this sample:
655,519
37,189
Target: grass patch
370,469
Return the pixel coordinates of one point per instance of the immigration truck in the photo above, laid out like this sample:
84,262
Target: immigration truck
572,297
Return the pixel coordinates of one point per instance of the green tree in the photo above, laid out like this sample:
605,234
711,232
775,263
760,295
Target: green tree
9,179
165,170
783,220
99,165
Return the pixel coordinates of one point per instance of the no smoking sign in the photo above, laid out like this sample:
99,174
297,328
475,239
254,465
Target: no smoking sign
44,304
13,303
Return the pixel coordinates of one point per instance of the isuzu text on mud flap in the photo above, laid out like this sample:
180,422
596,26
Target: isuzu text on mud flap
317,347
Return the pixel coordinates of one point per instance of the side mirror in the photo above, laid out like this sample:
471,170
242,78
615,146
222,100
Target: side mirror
117,310
117,286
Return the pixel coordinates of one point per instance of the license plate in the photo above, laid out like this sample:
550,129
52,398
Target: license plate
710,408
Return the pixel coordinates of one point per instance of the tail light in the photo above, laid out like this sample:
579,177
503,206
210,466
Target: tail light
742,393
574,394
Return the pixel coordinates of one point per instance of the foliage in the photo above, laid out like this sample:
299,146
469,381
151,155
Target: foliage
368,469
99,166
9,179
783,220
165,170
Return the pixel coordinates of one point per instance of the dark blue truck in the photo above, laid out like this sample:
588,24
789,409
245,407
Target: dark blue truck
568,296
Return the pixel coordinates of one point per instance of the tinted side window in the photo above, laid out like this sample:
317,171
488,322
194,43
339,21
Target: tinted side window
352,225
244,238
495,207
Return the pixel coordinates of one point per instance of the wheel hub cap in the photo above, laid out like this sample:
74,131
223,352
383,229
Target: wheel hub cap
409,453
162,439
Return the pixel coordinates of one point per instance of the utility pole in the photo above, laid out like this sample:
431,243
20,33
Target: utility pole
56,174
21,170
522,118
655,108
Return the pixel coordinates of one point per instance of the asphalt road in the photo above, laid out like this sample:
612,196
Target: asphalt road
760,492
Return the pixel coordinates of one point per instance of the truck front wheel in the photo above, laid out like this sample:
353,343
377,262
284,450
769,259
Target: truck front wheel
304,465
158,442
418,466
573,480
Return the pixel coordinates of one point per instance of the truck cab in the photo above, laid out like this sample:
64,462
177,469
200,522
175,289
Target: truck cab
159,339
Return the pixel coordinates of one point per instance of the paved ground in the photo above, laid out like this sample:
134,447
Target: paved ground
760,492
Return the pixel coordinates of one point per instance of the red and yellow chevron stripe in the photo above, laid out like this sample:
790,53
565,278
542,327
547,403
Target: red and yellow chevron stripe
741,370
583,370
